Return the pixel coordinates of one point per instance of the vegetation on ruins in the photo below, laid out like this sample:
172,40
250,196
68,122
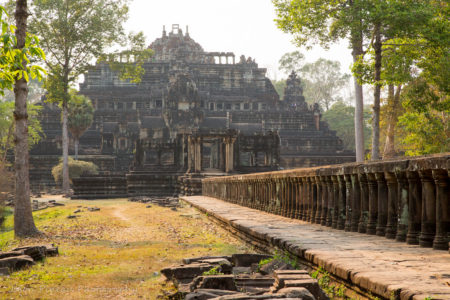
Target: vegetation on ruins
80,116
73,34
398,45
77,168
18,57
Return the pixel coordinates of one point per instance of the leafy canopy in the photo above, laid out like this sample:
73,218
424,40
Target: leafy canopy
80,114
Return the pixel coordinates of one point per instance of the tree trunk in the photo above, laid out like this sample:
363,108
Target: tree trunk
376,95
65,146
77,142
393,107
359,101
23,218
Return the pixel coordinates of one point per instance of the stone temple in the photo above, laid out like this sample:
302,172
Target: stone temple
194,114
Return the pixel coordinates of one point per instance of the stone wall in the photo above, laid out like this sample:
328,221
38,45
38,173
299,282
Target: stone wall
406,199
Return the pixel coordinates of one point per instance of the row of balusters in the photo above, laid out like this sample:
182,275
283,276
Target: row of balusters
411,206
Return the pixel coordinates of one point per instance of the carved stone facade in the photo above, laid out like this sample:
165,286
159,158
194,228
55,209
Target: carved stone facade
194,113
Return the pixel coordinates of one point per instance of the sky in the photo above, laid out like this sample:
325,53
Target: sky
245,27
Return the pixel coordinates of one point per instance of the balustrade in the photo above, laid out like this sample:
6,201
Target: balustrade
407,199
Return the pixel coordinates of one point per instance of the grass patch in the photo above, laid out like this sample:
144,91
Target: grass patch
116,252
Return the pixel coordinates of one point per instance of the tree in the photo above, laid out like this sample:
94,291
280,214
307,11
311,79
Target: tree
322,81
292,61
326,21
74,32
341,118
279,86
17,63
80,116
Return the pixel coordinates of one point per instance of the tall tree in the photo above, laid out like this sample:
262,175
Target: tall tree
75,32
325,22
17,56
80,117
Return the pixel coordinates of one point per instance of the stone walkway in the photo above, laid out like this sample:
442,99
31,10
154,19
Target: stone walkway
383,267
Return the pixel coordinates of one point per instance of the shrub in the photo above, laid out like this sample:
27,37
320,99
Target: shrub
77,168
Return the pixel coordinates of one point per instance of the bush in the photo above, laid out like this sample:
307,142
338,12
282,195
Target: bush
77,168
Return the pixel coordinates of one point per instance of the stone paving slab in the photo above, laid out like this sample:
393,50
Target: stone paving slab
383,267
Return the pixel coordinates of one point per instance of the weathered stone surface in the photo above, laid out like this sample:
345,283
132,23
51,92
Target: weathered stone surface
219,282
273,265
35,252
246,260
186,271
4,272
197,259
17,262
297,292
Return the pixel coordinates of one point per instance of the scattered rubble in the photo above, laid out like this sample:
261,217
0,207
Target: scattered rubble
23,257
171,202
40,205
241,276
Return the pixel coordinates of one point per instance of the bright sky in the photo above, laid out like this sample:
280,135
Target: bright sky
245,27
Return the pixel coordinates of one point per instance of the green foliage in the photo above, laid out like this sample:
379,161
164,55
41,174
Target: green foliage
426,122
77,168
213,271
341,118
35,132
292,61
324,280
264,262
128,64
279,86
322,81
80,114
12,59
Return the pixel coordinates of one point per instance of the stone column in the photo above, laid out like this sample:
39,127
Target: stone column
414,207
310,199
382,204
403,210
341,202
428,224
356,203
323,214
441,239
335,215
318,210
297,197
392,205
313,199
330,202
364,215
348,202
373,204
304,199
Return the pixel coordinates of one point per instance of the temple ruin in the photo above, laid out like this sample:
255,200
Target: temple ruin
195,114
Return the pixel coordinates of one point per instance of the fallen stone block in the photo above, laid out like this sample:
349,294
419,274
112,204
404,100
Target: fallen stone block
246,260
51,251
93,209
225,265
10,254
297,293
218,282
17,262
197,259
35,252
71,217
273,265
186,271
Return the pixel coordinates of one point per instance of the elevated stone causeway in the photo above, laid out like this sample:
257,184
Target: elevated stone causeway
376,205
373,265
